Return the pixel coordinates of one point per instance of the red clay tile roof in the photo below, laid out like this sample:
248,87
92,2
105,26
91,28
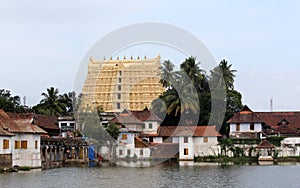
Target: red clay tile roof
187,131
46,122
265,144
146,115
245,116
284,130
273,118
126,118
18,125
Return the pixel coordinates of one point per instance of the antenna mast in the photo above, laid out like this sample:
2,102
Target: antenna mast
271,105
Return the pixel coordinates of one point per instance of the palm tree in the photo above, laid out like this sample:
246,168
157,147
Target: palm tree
191,67
228,74
223,76
52,103
168,75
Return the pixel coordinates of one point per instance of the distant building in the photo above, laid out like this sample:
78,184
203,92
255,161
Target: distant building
67,125
141,136
47,123
20,141
249,124
121,84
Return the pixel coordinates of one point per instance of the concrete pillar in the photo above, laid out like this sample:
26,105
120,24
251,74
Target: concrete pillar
55,153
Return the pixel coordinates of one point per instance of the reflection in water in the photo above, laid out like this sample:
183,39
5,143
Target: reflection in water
163,175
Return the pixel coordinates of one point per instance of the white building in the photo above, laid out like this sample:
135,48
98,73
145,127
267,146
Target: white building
245,124
24,143
192,140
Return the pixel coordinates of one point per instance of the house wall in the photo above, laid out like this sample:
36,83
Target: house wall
202,148
189,146
152,130
130,138
27,157
8,150
133,152
158,139
245,127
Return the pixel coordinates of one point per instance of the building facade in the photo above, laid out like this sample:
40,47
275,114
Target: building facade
121,84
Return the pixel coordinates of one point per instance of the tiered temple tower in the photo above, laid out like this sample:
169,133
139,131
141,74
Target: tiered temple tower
121,84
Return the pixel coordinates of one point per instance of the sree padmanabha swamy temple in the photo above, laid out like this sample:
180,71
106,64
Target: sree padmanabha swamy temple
118,84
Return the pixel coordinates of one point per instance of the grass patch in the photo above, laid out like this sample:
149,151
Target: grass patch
24,168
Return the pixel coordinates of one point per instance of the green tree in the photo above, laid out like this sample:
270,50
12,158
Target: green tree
54,104
10,103
168,74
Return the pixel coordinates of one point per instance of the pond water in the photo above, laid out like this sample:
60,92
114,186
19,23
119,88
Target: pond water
160,175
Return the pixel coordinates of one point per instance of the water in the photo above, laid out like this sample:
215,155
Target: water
162,175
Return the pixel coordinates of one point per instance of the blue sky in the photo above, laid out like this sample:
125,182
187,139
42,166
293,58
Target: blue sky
43,43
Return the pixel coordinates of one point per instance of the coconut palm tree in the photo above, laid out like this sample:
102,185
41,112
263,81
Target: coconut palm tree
168,75
192,69
228,74
52,104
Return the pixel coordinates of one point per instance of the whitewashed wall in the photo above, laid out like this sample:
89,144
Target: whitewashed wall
189,145
202,148
27,157
8,150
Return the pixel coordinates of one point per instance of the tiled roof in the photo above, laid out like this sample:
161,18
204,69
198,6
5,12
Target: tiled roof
126,118
245,116
284,130
4,132
273,118
265,144
43,121
18,125
187,131
146,115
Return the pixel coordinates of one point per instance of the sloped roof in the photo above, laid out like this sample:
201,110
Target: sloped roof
265,144
126,118
284,130
43,121
4,132
18,125
246,115
146,115
273,118
188,131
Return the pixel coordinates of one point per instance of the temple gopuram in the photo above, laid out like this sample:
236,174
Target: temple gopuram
121,84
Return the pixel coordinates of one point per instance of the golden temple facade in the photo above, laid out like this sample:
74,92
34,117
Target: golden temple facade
121,84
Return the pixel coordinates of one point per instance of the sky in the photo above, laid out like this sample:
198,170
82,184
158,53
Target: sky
42,43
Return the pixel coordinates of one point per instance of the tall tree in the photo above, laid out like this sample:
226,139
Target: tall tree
52,103
10,103
228,74
168,74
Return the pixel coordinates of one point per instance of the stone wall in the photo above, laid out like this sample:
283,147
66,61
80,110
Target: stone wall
5,160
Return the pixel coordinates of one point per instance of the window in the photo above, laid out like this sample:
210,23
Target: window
186,139
150,126
119,87
36,144
24,144
17,144
143,126
120,152
118,105
251,126
237,127
119,95
186,151
124,136
120,80
205,139
141,152
5,144
120,73
128,152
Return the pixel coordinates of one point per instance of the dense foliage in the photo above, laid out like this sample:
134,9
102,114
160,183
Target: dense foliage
10,103
187,99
